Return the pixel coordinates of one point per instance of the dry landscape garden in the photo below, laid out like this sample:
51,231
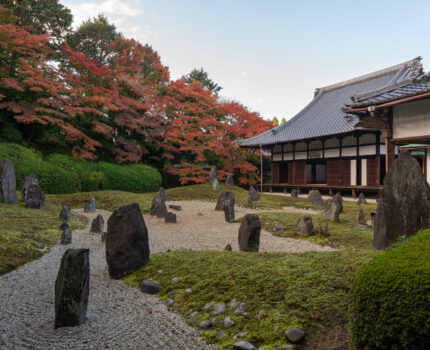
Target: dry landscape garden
133,213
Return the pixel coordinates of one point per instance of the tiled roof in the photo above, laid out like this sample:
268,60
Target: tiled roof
414,87
323,115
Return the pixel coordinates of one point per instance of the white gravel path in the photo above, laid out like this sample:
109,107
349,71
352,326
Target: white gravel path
118,316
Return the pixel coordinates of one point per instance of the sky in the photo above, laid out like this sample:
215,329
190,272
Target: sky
271,55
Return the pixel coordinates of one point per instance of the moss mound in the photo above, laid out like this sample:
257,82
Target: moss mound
390,298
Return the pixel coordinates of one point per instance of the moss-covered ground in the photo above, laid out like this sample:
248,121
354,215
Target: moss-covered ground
307,290
26,234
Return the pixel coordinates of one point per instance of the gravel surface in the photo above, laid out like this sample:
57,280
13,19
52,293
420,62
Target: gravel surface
118,316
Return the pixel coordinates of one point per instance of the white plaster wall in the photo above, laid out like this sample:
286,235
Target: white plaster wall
288,156
368,150
411,119
277,157
331,153
364,172
301,155
349,152
353,172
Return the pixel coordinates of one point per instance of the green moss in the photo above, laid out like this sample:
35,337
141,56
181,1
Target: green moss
26,234
341,234
307,290
390,299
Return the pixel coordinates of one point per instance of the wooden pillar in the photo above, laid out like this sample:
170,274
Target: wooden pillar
261,168
389,148
285,190
330,192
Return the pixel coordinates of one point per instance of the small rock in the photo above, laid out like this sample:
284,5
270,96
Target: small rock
245,314
286,347
228,247
219,309
240,309
66,236
170,218
261,312
209,305
175,280
294,193
65,214
229,181
90,206
234,303
98,224
295,335
220,334
243,345
194,314
193,319
200,214
240,335
360,218
170,302
205,324
188,290
149,287
315,198
228,322
172,294
305,226
276,328
279,227
175,207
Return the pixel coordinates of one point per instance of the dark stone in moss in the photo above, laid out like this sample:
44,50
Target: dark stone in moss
65,214
127,248
149,287
404,205
228,247
98,224
205,324
314,197
243,345
294,192
29,180
253,194
35,198
332,210
339,200
72,288
249,233
7,182
66,236
305,226
295,335
90,206
361,199
360,218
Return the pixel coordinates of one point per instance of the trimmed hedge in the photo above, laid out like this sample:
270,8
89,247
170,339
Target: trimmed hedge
390,299
65,174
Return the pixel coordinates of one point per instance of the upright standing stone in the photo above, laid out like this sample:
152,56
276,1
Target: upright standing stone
253,194
127,247
305,226
65,214
360,218
35,197
294,192
314,197
90,206
229,208
213,175
66,236
339,200
404,205
361,199
29,180
249,233
215,185
158,206
7,182
229,181
224,196
98,224
71,288
332,210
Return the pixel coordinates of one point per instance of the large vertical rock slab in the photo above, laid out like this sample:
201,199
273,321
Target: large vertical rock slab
223,197
90,206
35,197
305,226
66,236
213,175
339,200
229,181
253,194
249,233
332,210
361,199
404,205
229,208
65,214
216,185
158,206
7,182
127,247
29,180
315,198
98,224
72,288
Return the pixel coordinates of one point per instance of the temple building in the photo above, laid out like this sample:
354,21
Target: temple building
330,149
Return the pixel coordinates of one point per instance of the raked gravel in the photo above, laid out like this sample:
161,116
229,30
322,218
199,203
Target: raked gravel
118,316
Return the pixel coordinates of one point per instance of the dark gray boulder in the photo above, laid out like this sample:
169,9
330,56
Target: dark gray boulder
228,248
314,197
213,175
229,180
332,210
175,207
90,206
339,200
229,208
66,236
170,218
127,247
7,182
305,226
295,335
222,198
249,233
158,206
243,345
294,192
72,288
35,198
65,214
103,237
29,180
149,287
253,194
98,224
404,205
361,199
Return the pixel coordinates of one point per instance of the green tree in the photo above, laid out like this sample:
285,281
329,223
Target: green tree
47,16
93,38
275,121
203,77
283,121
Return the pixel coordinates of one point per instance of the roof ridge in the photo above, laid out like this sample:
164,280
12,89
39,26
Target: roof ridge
373,75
